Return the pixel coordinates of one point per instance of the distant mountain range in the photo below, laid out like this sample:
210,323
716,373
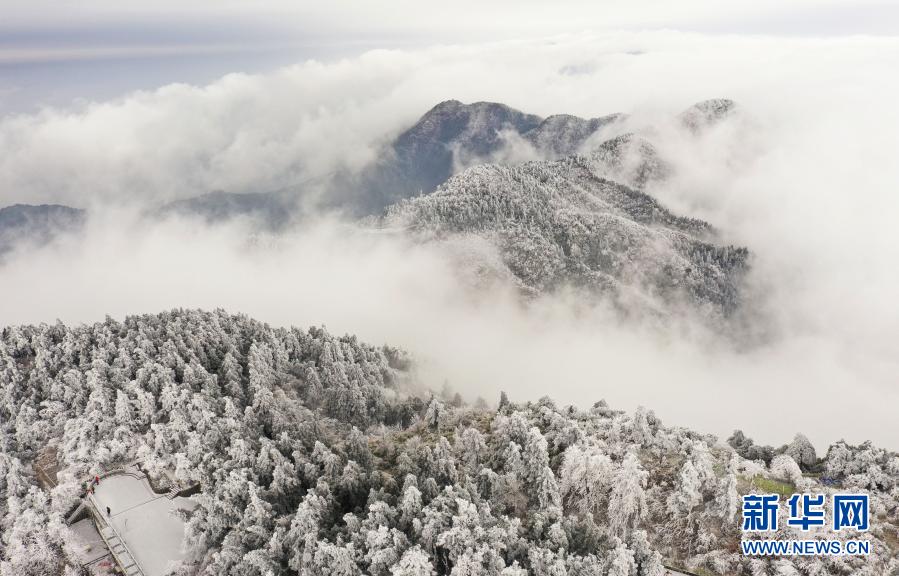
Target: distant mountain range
29,225
575,216
272,211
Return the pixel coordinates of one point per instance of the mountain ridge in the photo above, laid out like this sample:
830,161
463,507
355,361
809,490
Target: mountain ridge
453,134
37,224
566,220
561,223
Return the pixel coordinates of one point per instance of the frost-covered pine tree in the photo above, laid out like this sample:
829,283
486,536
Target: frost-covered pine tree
648,560
727,499
435,413
585,478
621,561
687,494
803,452
627,502
413,563
786,468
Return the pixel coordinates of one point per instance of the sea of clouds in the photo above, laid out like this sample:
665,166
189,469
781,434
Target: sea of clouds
804,176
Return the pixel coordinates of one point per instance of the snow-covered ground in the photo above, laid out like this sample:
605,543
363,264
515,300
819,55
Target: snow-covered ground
88,544
146,521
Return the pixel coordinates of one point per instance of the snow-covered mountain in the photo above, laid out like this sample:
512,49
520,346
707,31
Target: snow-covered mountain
566,220
447,139
563,134
707,113
561,223
630,160
453,135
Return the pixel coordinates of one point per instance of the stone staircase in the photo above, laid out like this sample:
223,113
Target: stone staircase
121,553
71,518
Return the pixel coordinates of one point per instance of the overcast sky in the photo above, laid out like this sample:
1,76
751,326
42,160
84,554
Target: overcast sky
475,17
54,52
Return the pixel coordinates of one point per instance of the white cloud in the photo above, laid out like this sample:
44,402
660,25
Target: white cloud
805,179
266,131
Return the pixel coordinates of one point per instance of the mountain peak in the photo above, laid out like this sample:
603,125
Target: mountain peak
443,107
707,113
452,119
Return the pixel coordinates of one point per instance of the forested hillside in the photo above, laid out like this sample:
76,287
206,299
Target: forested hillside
320,455
562,223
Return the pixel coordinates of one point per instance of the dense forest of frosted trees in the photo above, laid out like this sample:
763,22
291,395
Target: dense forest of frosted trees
319,455
562,223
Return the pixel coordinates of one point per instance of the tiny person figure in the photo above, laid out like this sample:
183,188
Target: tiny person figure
108,513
